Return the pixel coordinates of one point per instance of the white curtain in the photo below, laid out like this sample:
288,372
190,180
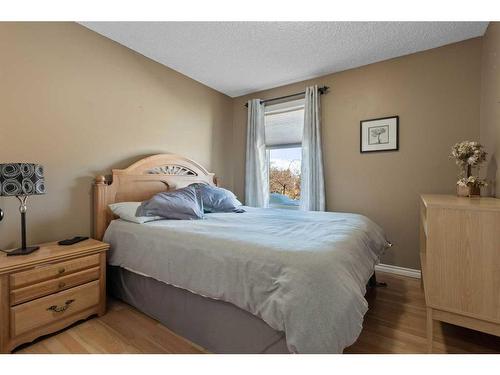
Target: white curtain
312,185
256,173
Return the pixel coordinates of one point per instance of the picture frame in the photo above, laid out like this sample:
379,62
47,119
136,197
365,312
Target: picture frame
379,134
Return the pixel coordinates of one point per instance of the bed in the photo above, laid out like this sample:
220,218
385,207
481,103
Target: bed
262,281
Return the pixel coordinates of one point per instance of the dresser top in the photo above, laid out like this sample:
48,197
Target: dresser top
452,201
50,252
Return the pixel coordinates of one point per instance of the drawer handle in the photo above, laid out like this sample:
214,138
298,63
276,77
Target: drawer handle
62,284
61,270
58,309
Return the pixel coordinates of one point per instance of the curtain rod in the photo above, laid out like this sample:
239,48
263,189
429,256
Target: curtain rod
322,90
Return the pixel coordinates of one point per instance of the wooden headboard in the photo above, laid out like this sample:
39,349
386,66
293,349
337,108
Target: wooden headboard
141,181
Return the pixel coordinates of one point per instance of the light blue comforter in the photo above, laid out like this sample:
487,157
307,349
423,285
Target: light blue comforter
303,273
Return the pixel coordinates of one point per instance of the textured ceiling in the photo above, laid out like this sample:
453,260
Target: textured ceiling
237,58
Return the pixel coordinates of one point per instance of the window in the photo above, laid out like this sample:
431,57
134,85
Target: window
284,124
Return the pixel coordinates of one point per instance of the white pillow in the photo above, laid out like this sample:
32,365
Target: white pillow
127,210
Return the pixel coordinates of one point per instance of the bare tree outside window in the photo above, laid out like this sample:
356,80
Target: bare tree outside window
284,174
285,179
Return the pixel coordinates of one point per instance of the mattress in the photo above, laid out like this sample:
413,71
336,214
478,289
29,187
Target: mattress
302,273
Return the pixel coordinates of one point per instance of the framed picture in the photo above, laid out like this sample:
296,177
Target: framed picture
379,134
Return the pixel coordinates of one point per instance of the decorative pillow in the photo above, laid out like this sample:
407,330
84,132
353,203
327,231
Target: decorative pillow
127,210
180,204
217,199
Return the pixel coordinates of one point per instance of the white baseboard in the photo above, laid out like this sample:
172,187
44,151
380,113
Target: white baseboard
410,272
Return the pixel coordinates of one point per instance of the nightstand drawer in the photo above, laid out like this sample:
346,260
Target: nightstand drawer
46,310
51,271
31,292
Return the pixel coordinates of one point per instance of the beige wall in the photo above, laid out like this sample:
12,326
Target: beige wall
436,93
490,104
80,104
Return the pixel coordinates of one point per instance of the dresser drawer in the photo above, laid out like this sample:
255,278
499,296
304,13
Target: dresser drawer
51,271
46,310
31,292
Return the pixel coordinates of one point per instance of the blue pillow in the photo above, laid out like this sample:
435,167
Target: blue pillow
180,204
217,199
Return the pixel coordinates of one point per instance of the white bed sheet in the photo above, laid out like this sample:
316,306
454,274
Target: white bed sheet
303,273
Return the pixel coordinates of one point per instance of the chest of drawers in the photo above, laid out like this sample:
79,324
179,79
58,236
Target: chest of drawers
460,258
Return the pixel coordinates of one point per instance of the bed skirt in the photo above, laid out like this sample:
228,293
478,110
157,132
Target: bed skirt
217,326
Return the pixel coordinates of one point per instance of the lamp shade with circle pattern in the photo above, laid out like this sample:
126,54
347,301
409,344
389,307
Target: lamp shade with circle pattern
21,179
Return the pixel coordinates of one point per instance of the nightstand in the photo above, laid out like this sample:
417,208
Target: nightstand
50,289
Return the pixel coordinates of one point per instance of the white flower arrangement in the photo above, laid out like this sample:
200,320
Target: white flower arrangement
472,181
468,155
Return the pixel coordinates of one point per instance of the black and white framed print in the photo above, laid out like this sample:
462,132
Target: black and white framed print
379,134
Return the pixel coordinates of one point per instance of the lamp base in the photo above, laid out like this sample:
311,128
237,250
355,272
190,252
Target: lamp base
22,251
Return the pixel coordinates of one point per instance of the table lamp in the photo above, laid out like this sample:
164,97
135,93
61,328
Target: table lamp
21,180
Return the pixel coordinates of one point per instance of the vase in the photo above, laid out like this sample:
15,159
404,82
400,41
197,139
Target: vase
475,191
463,191
468,191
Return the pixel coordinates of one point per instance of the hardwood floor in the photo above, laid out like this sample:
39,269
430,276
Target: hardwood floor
395,323
122,329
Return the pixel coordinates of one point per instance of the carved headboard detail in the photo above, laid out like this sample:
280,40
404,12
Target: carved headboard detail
141,181
172,170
